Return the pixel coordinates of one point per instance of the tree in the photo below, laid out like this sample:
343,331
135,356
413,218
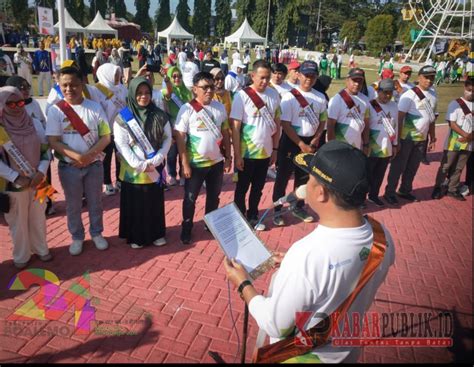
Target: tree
380,32
223,18
182,13
142,16
77,9
259,19
244,9
162,15
119,8
20,12
352,30
97,5
201,18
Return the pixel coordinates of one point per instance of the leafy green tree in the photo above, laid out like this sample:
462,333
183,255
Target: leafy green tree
223,18
19,12
182,13
97,5
380,32
201,18
244,9
119,8
259,19
77,9
142,16
162,15
352,30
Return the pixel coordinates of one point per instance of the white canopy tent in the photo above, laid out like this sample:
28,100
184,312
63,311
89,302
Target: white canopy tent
174,31
100,26
245,33
70,24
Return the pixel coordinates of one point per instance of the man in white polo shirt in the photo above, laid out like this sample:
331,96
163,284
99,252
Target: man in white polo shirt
202,135
301,131
416,119
255,122
348,113
78,131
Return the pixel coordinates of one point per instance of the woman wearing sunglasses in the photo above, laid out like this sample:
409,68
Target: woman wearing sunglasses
34,110
23,172
174,96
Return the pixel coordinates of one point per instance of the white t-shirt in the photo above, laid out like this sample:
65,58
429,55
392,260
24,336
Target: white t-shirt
282,88
202,146
182,57
405,87
95,94
456,114
234,83
93,116
236,56
417,120
380,144
372,94
34,110
347,127
256,134
293,85
114,104
317,274
189,69
292,111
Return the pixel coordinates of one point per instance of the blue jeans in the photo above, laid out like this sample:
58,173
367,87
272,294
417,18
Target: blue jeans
75,182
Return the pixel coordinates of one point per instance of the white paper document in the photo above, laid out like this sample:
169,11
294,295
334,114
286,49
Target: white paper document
238,240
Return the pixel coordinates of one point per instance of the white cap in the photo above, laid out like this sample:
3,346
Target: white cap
238,64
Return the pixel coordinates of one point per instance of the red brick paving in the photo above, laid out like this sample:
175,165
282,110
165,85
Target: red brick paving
184,290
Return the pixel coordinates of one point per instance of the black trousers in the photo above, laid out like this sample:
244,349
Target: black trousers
286,152
213,177
254,173
377,168
469,173
109,150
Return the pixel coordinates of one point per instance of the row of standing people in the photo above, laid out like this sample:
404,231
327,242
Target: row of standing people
201,128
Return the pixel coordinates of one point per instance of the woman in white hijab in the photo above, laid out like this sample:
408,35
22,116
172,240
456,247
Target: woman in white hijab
26,215
235,80
109,76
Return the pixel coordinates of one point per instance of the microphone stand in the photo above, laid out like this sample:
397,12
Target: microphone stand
215,355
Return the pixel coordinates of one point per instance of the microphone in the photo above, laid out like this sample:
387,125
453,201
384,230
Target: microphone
292,197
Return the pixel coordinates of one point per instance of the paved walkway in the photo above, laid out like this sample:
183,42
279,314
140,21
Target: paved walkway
175,299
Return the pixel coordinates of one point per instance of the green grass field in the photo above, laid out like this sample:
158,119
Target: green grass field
446,92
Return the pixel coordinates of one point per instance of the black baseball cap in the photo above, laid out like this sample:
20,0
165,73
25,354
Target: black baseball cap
340,166
355,73
427,70
309,67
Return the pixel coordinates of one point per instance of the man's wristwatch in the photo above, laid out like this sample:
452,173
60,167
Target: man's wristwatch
242,285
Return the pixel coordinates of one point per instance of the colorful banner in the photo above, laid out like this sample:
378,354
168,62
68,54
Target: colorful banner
45,21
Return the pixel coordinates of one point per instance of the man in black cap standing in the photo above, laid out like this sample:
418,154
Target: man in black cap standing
348,113
416,119
303,118
383,134
318,272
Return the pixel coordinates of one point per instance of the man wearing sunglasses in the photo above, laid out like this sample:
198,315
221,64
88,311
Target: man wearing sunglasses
202,135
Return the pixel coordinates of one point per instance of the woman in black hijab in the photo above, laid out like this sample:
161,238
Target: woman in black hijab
143,137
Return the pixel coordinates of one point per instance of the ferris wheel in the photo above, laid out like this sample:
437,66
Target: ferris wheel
436,19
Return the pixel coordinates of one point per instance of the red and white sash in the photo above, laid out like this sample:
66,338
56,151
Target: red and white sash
308,111
352,107
258,102
386,121
207,119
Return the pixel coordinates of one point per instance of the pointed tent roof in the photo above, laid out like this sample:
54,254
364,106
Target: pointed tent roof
71,24
100,26
175,31
245,33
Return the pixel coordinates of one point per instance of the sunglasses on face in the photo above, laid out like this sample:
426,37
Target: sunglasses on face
17,104
176,76
206,87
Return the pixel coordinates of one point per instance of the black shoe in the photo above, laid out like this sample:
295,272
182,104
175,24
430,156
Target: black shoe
376,201
407,196
425,161
436,195
456,195
186,237
391,199
363,206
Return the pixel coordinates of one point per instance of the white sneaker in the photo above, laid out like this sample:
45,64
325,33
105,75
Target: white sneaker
109,190
135,246
181,181
172,181
464,190
76,247
259,227
100,242
271,173
160,242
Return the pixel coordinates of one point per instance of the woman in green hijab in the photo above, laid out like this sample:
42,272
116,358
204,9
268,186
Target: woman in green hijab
174,96
143,138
